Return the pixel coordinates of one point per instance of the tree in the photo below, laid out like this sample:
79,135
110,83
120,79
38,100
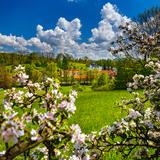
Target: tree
150,20
141,39
6,80
33,122
52,70
126,69
103,82
106,64
36,75
63,60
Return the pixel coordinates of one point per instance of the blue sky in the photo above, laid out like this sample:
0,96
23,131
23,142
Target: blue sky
21,17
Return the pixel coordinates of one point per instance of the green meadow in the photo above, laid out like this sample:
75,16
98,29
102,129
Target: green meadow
96,109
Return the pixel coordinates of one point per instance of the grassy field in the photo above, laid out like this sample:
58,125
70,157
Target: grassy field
97,109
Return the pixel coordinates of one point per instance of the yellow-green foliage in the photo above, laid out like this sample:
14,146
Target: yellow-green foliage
103,82
75,65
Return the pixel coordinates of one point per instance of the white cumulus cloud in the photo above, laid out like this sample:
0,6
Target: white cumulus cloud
108,26
37,45
14,43
63,37
66,36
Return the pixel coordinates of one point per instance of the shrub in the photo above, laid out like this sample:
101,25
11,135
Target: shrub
103,83
52,70
6,80
36,75
77,87
124,75
126,69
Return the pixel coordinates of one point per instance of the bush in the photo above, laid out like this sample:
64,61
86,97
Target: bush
126,69
52,70
103,83
36,75
124,75
77,87
6,80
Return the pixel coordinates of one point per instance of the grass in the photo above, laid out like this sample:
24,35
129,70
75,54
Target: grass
97,109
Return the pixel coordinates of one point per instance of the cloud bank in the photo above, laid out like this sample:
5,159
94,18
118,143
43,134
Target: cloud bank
65,37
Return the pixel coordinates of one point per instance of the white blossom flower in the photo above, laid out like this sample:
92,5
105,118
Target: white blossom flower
87,157
111,129
74,93
148,113
22,77
149,124
125,124
34,135
157,64
132,124
28,95
48,96
2,152
19,68
63,104
9,134
49,80
138,100
134,114
56,85
50,116
21,133
7,105
55,91
74,157
11,131
71,107
57,152
77,136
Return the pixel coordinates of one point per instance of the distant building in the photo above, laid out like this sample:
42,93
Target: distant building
95,66
88,74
